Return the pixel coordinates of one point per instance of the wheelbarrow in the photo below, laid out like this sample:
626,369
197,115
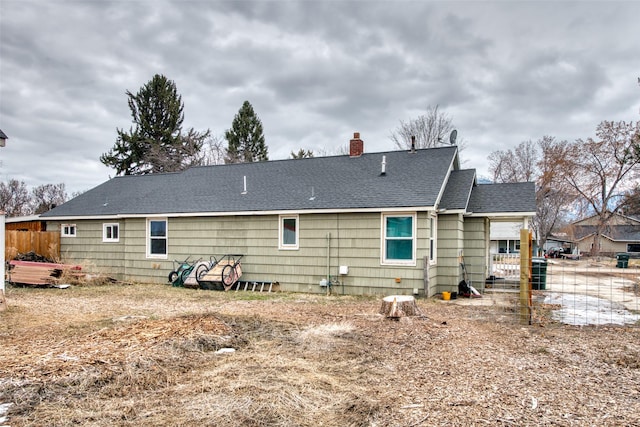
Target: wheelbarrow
181,271
220,273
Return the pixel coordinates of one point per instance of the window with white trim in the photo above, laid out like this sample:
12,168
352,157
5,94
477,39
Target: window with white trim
433,238
157,238
111,232
399,239
288,232
68,230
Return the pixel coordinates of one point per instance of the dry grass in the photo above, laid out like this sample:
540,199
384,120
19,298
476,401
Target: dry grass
147,355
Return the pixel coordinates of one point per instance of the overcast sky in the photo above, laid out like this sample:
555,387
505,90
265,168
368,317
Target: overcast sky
315,72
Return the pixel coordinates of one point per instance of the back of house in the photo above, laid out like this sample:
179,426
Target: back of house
394,222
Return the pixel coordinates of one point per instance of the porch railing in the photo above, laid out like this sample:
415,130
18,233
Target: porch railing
506,266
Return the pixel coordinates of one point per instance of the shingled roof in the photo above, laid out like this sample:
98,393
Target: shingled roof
411,180
458,190
503,198
323,183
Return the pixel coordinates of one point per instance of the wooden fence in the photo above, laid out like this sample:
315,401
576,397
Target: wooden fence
45,243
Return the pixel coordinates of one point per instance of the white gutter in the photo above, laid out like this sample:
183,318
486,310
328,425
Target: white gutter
502,214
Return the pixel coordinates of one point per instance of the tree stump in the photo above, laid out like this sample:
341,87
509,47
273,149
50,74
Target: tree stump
397,306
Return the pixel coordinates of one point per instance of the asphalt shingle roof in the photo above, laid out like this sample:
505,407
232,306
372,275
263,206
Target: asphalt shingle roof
614,232
502,198
458,189
323,183
339,182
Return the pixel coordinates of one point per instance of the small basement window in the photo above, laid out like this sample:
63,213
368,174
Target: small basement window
111,232
68,230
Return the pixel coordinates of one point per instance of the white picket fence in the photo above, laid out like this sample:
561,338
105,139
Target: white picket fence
505,266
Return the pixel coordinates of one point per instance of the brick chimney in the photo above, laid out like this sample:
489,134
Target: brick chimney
356,146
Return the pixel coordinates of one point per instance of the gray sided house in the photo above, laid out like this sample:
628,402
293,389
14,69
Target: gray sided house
398,221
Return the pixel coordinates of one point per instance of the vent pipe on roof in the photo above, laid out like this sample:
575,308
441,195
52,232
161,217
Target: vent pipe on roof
244,191
384,165
413,144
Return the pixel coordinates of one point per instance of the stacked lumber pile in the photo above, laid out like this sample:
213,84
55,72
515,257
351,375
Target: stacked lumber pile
38,273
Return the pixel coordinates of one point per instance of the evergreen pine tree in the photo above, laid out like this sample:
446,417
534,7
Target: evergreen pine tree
245,138
155,143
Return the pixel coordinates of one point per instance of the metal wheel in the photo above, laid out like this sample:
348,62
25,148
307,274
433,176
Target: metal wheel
173,276
201,271
228,275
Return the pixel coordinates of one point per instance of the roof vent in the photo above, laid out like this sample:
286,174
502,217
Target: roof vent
384,166
413,144
244,191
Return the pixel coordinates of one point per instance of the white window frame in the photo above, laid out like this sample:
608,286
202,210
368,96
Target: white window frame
433,239
281,244
383,239
149,237
68,230
110,226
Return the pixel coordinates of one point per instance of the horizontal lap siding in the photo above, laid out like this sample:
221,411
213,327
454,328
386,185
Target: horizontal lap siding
450,241
475,253
355,241
88,249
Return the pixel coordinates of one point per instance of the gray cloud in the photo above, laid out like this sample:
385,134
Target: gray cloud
314,71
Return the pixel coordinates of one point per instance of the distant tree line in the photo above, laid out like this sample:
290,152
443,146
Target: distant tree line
587,177
17,200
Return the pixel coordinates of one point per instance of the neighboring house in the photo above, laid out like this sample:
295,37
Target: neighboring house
3,138
621,234
397,220
505,236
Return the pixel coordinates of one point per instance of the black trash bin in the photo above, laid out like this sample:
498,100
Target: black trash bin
623,260
539,274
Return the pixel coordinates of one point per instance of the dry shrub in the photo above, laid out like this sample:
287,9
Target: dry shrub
88,275
53,252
